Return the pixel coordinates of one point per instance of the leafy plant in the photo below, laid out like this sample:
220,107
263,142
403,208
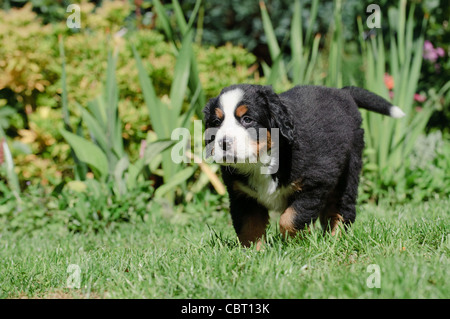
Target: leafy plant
105,154
186,29
166,118
300,68
427,169
390,142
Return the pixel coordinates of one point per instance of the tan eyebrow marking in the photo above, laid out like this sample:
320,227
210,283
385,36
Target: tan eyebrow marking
219,113
241,110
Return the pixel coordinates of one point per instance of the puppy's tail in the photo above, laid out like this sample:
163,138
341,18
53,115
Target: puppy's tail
372,102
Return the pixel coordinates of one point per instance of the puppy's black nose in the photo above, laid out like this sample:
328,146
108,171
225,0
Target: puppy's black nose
225,143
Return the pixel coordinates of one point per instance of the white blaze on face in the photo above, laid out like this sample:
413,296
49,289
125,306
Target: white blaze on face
233,131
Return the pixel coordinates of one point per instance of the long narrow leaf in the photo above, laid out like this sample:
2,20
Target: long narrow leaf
179,16
312,61
94,128
176,180
154,105
119,170
64,99
272,43
111,97
87,152
194,14
163,18
312,20
181,77
186,116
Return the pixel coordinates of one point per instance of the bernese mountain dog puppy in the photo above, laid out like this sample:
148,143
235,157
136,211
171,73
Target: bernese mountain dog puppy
298,153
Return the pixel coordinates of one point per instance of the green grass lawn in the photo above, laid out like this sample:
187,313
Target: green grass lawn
193,254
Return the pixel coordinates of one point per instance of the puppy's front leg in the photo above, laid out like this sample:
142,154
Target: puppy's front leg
303,211
250,220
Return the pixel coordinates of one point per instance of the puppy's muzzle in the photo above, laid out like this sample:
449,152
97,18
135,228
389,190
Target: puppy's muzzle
226,144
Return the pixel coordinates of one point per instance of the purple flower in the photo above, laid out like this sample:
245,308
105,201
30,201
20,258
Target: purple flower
427,45
440,52
430,53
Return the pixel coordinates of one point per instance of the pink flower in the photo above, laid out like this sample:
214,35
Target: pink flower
419,97
440,52
427,45
430,53
142,148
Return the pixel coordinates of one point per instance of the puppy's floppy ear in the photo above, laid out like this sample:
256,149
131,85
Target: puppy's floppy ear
207,110
280,116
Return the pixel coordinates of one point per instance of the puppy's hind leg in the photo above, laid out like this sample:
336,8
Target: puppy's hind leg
349,184
330,218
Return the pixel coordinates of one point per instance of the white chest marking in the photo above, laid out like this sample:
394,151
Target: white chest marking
266,191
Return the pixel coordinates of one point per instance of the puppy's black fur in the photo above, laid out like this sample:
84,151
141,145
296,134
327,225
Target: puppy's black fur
320,149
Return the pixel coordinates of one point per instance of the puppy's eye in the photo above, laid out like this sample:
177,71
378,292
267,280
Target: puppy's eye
216,122
246,120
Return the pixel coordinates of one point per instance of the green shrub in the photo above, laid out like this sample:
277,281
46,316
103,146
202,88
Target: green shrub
24,69
427,170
